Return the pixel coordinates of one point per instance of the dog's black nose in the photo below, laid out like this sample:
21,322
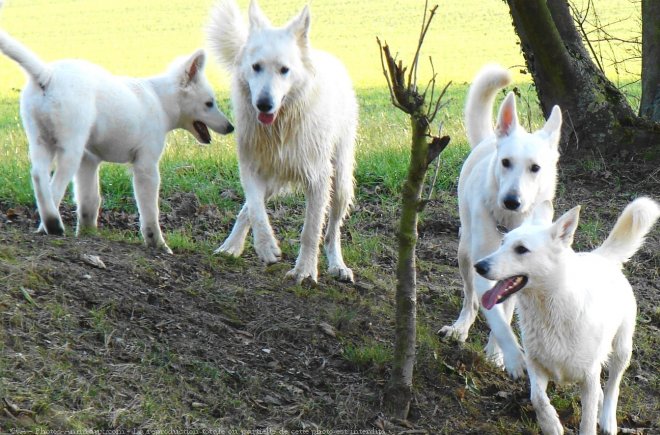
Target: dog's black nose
264,105
229,129
482,267
512,202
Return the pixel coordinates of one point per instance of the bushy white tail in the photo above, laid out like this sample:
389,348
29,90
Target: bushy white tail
630,229
479,105
30,62
226,32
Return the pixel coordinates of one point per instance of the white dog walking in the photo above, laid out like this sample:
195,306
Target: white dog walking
296,119
78,115
507,173
576,310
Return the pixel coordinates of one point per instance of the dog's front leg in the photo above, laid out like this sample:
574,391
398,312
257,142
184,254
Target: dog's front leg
461,327
514,361
318,197
256,193
146,184
590,394
235,242
545,412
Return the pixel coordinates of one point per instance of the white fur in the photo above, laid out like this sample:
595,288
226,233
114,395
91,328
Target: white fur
77,115
484,186
577,311
302,135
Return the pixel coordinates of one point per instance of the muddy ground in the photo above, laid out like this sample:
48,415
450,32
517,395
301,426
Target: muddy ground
150,341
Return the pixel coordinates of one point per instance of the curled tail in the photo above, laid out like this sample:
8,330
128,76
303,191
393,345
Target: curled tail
630,229
226,32
480,100
35,68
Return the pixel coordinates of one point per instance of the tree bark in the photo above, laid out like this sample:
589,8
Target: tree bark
650,104
597,118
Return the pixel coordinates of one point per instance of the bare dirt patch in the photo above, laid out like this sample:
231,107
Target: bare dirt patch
143,340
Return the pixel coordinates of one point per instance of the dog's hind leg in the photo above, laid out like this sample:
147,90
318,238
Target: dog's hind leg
235,243
461,327
41,156
318,196
618,362
341,200
146,184
88,196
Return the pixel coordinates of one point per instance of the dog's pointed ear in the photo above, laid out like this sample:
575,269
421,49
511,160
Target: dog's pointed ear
507,120
194,67
299,26
552,126
564,228
542,213
257,18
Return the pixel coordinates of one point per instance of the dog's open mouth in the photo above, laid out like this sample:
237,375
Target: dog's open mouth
203,132
502,290
266,118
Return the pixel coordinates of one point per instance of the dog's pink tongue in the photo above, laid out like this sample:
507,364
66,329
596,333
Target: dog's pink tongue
266,118
489,299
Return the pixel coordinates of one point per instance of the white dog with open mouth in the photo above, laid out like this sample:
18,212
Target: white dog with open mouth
576,311
77,115
507,173
296,119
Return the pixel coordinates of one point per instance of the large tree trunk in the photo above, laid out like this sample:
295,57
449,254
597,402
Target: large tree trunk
650,104
598,119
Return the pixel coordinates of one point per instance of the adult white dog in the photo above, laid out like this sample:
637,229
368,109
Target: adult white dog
576,310
77,115
296,119
507,173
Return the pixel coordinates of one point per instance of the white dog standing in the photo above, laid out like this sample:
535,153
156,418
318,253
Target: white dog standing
507,173
296,118
576,310
78,115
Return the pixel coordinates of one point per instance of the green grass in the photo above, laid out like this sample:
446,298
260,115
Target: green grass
140,39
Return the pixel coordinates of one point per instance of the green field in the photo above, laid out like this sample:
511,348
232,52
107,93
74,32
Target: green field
141,38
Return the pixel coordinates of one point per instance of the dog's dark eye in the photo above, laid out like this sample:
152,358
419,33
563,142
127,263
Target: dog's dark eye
520,249
256,67
284,70
209,104
506,163
535,168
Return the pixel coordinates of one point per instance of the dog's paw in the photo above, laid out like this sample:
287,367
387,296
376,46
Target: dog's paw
298,276
269,253
608,423
515,365
342,273
228,248
549,422
455,332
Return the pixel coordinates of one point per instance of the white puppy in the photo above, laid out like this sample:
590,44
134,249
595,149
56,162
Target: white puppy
296,119
507,173
78,115
576,310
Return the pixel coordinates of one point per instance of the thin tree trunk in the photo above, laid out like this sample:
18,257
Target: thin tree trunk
399,390
599,121
650,104
406,97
